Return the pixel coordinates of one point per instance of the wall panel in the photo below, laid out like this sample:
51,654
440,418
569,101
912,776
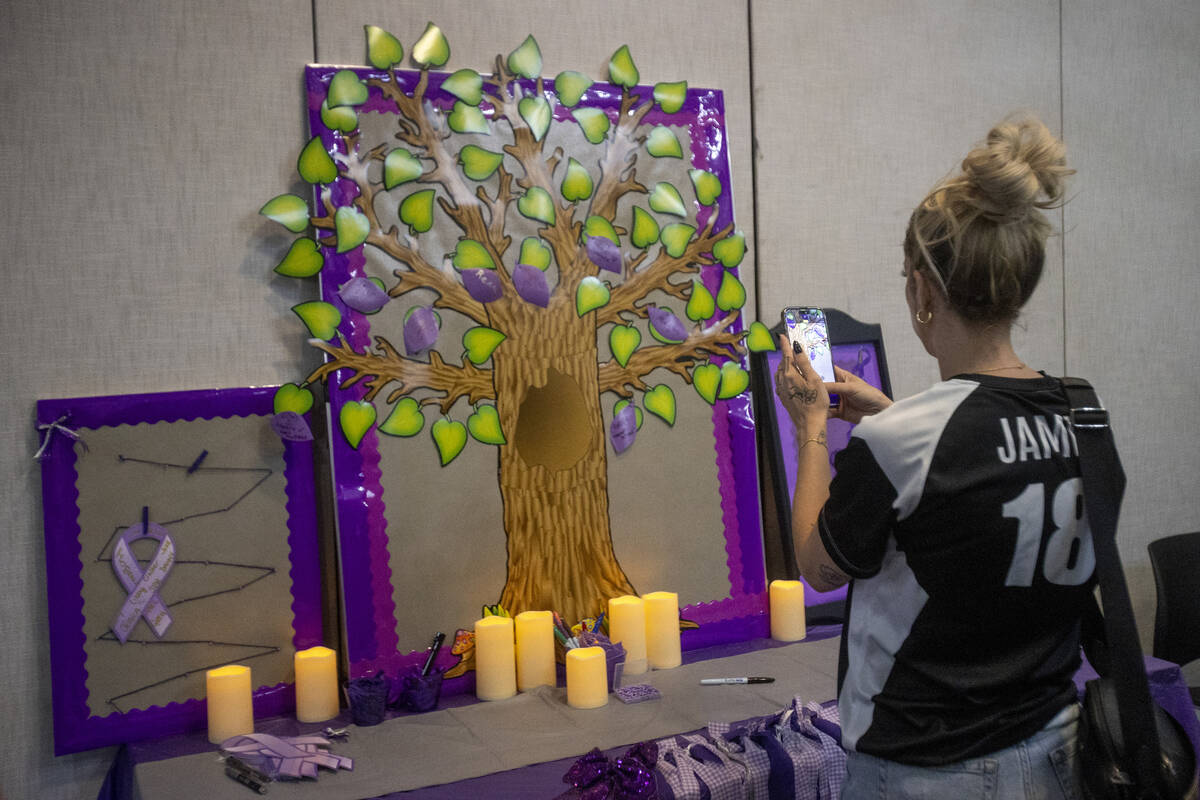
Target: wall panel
141,141
859,109
1131,89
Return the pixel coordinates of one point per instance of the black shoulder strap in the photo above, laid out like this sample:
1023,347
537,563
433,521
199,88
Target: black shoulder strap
1103,488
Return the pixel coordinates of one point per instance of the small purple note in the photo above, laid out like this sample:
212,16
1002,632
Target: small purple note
637,693
291,426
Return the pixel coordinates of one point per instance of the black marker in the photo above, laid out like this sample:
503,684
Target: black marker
434,647
723,681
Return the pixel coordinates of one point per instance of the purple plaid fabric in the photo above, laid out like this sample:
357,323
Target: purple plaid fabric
794,753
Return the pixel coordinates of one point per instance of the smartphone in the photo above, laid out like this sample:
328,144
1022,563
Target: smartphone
806,328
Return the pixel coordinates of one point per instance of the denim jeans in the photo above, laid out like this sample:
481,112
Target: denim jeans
1043,767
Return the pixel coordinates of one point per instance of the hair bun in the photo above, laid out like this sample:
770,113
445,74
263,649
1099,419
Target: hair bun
1020,167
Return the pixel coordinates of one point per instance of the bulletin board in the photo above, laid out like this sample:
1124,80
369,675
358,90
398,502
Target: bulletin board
229,569
425,546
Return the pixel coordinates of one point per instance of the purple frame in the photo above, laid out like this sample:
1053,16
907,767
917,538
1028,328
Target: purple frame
368,605
75,728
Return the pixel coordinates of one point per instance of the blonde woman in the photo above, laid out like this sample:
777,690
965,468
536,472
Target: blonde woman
956,513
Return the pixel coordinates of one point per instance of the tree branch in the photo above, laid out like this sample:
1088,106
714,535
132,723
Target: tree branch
678,358
387,366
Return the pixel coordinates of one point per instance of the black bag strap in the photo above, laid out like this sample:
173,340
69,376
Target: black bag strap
1103,488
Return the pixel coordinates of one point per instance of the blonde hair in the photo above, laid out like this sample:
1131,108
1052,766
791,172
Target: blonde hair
981,232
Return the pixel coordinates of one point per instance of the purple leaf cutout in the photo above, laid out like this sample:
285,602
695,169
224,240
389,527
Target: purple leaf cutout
667,324
531,284
420,330
604,254
363,295
623,429
291,426
482,284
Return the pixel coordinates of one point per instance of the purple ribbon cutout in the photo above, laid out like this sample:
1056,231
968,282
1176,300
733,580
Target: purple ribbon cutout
286,756
142,587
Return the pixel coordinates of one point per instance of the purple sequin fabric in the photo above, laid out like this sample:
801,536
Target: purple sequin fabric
629,777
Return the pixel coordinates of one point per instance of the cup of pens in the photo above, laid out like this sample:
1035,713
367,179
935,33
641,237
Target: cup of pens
420,688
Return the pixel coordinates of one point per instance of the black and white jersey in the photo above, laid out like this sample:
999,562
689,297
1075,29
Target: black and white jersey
959,514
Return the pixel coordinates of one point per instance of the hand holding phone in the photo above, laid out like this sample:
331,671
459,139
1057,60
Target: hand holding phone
807,330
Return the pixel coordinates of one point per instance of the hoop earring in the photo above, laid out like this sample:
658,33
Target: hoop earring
928,316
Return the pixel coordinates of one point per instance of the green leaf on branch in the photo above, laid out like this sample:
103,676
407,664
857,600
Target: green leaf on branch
303,260
535,253
670,96
734,380
665,199
346,89
400,167
315,165
596,225
466,85
731,294
467,119
450,436
351,226
730,250
484,425
593,122
355,419
321,319
645,229
660,401
675,238
417,211
526,60
383,49
288,210
478,164
480,342
432,49
701,305
470,254
708,186
343,119
577,183
570,86
663,143
536,204
760,340
621,69
591,294
405,420
536,113
623,340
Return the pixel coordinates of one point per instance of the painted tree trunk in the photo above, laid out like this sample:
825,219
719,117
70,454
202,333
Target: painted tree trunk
553,469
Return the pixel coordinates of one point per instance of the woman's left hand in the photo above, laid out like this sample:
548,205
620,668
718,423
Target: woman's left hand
801,390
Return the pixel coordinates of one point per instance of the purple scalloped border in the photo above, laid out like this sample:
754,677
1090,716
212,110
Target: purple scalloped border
75,728
368,596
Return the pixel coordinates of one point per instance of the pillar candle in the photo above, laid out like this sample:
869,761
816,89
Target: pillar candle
787,611
495,659
230,710
627,625
662,629
535,650
316,684
587,677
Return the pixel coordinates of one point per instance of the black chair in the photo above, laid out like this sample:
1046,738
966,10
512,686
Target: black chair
1176,563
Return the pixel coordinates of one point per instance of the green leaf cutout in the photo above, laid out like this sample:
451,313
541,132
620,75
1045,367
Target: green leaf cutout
701,305
623,340
730,250
706,378
670,96
346,89
383,49
621,69
417,211
432,49
760,340
321,318
535,253
537,204
315,164
593,122
288,210
480,342
708,186
290,397
479,164
731,293
342,118
484,425
470,254
596,225
356,418
537,115
591,294
303,260
526,60
675,238
400,167
570,86
467,119
449,436
645,229
660,401
406,419
663,143
577,183
351,226
734,380
665,199
466,85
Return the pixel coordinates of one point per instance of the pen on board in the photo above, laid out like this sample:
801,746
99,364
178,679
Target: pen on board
434,647
723,681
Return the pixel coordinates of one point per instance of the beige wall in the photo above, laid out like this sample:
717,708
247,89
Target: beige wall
141,139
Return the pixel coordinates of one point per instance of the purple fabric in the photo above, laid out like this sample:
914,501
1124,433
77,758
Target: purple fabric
290,757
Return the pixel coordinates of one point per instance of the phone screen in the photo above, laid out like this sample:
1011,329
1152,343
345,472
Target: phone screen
806,326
